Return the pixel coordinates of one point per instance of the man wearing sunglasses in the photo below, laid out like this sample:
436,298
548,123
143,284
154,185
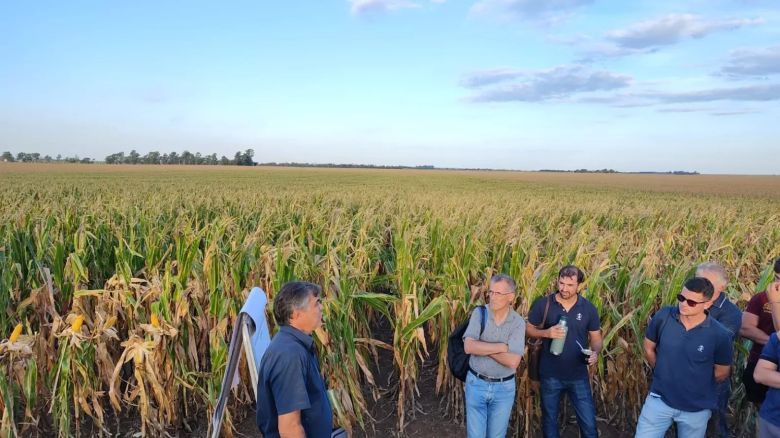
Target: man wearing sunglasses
567,372
690,352
495,355
727,313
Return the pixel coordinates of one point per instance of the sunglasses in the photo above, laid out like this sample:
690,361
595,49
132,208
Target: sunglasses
691,303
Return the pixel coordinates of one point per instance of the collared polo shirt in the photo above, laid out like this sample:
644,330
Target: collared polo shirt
580,319
510,332
759,305
684,374
770,409
289,380
728,314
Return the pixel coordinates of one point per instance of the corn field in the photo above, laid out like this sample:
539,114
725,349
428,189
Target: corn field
119,286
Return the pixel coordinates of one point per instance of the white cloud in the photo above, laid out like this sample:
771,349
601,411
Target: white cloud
753,62
542,85
369,7
747,93
488,77
671,29
543,11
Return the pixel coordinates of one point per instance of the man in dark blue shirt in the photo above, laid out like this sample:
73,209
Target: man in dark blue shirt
767,374
567,372
690,352
727,313
292,400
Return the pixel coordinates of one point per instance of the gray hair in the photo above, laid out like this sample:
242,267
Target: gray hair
506,279
294,295
713,268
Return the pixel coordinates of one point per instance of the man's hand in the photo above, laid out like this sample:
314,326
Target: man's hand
773,292
556,332
594,357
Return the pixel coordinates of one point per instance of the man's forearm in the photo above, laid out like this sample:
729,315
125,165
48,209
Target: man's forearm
532,331
481,348
509,360
721,372
650,356
596,345
767,377
292,431
755,334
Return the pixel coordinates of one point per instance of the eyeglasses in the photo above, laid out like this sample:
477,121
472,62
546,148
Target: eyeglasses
493,292
691,303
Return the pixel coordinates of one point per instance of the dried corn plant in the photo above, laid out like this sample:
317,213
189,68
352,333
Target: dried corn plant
119,287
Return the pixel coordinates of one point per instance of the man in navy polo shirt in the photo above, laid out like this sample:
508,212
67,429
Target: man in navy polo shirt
690,352
568,372
767,373
727,313
291,397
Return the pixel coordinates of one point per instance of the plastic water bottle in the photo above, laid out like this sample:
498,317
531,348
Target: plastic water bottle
556,346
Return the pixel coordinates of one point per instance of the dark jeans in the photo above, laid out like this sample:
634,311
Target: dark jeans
581,398
718,422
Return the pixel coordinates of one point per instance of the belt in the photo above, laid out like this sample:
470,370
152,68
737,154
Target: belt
491,379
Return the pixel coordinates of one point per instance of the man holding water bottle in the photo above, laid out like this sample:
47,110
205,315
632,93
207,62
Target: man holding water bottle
572,341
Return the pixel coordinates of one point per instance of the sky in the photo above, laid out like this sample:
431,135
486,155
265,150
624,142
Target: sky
508,84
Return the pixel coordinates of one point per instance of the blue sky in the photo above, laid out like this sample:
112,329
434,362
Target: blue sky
518,84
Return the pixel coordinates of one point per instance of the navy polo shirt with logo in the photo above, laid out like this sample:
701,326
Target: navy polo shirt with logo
684,368
289,380
580,319
770,409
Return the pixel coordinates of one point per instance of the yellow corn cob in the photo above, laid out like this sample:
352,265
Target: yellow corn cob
155,321
76,327
15,334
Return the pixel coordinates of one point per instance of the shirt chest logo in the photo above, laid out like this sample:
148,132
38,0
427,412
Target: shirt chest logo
700,349
579,316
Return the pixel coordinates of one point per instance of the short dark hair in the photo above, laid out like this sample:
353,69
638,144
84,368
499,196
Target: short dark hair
700,285
572,271
777,266
506,279
293,296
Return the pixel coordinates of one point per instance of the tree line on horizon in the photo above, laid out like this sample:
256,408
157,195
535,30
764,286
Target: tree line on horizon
239,159
35,157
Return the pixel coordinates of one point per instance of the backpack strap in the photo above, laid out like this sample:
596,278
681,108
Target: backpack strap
482,311
546,309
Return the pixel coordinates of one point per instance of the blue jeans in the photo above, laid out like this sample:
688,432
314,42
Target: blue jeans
581,398
657,416
488,407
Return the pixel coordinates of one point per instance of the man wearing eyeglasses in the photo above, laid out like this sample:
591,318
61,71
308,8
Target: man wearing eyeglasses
727,313
495,355
690,352
567,372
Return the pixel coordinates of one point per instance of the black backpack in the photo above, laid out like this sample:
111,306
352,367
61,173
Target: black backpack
457,359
